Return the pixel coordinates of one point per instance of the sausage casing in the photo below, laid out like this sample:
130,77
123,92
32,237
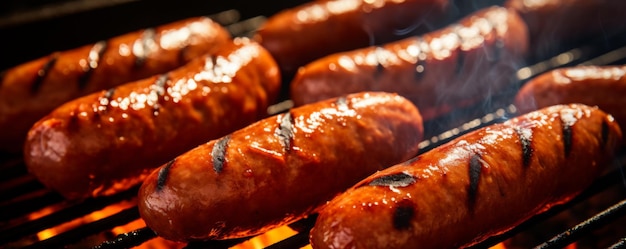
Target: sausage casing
107,141
31,90
478,185
441,70
602,86
301,34
278,169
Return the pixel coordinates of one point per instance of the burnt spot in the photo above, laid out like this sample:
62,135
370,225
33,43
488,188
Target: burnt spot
496,51
182,54
525,139
93,59
142,48
567,137
460,54
163,174
403,214
475,168
396,180
158,88
604,134
380,69
284,132
219,153
43,72
105,100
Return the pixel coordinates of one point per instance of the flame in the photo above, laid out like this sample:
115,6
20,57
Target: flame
268,238
155,243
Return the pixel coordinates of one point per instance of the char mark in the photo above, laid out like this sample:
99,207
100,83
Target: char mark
396,180
475,168
163,174
141,49
525,139
605,134
567,137
285,131
403,214
460,54
43,72
219,154
93,59
380,69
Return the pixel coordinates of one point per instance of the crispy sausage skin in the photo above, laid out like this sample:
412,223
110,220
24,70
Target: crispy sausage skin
438,71
107,141
552,23
476,186
31,90
301,34
278,169
602,86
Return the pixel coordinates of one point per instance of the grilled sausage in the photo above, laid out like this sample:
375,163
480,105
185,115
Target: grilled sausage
444,69
602,86
31,90
279,169
554,24
476,186
107,141
298,35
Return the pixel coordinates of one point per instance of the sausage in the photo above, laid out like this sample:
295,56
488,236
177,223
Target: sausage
441,70
108,141
279,169
558,24
476,186
303,33
602,86
31,90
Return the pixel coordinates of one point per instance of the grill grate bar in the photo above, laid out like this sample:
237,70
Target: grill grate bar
570,235
72,236
27,203
128,240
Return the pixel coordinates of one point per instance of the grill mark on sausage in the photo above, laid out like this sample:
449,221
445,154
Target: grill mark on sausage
158,88
163,175
396,180
403,214
93,59
43,72
475,168
219,153
142,49
380,69
567,136
284,131
604,134
525,140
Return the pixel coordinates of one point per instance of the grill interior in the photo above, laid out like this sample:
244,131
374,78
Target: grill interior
21,194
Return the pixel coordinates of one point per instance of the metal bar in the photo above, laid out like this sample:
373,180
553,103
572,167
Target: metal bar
570,235
128,240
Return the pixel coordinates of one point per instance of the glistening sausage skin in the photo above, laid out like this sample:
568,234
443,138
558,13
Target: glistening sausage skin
105,142
279,169
476,186
31,90
441,70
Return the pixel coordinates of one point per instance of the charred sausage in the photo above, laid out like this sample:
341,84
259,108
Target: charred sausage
478,185
31,90
602,86
452,67
298,35
107,141
554,24
278,169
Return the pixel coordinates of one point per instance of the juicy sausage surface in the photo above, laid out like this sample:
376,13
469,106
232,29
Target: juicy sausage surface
31,90
476,186
452,67
602,86
301,34
107,141
279,169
